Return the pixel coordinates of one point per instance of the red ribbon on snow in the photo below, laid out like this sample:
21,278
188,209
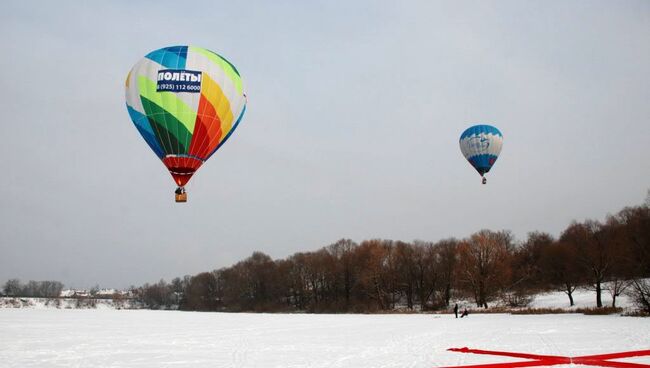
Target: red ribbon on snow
602,360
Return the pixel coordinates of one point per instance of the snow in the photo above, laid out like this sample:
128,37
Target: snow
582,298
143,338
43,336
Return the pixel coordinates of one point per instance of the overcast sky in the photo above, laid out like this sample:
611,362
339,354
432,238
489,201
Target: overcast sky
351,130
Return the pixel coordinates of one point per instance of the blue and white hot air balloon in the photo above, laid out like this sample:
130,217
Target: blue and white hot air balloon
481,145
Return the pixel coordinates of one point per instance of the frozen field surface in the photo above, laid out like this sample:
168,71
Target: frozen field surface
143,338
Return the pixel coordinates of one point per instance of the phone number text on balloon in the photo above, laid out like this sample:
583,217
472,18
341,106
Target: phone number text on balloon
171,87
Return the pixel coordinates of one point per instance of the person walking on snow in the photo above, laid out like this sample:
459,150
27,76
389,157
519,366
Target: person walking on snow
456,310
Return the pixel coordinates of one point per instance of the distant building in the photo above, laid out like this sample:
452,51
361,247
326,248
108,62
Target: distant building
101,293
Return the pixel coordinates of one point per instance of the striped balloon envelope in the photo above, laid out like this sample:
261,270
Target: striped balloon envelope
481,145
185,101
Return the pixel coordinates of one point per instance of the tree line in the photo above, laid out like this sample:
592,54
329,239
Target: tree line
487,267
35,289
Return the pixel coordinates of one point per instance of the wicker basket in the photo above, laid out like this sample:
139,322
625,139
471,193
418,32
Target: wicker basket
181,197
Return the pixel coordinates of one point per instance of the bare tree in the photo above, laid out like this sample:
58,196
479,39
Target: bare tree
50,289
201,293
427,273
595,254
640,293
636,228
484,263
559,268
345,276
178,287
405,271
527,268
299,293
374,259
13,287
94,290
446,255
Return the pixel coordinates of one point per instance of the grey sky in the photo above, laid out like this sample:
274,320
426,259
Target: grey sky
354,114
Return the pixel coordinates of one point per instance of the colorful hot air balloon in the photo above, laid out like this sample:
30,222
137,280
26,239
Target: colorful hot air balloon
185,101
481,145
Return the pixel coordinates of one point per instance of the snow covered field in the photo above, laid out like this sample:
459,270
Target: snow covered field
142,338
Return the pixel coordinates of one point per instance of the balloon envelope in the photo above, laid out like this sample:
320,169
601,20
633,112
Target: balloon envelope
185,101
481,145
